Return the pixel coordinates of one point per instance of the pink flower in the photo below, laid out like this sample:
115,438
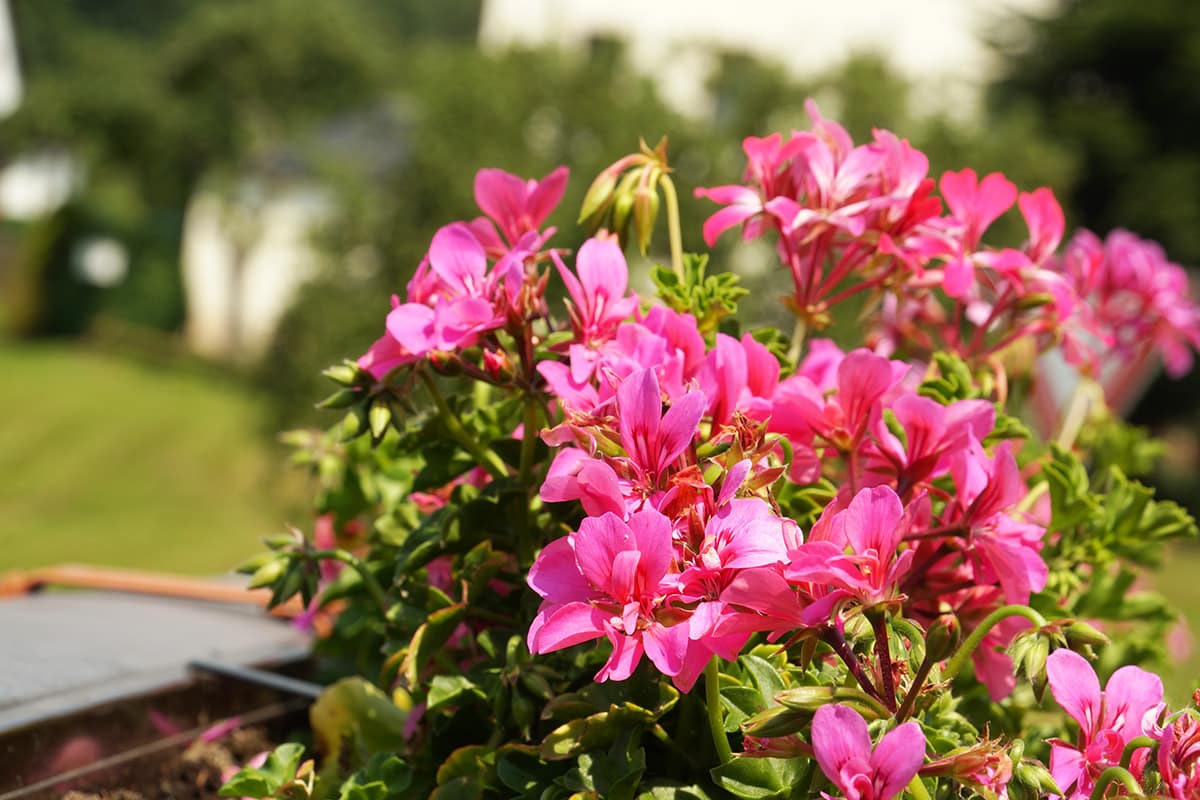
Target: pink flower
872,526
1179,758
1003,548
606,580
1107,720
652,439
518,206
842,746
598,302
975,205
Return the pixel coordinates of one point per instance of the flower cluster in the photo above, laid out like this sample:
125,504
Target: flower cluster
813,533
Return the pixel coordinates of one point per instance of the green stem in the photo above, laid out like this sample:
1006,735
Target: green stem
529,440
484,456
1081,402
917,789
798,334
1115,775
673,229
990,621
1135,743
356,563
712,700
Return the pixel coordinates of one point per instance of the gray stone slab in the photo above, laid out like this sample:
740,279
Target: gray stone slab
61,651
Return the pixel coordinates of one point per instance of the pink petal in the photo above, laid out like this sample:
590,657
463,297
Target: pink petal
458,258
1129,694
839,734
557,627
596,544
555,575
602,270
897,758
1075,687
546,195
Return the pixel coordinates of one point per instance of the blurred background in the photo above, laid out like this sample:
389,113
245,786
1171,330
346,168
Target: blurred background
205,202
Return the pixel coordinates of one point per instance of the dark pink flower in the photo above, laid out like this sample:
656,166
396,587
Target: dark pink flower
842,746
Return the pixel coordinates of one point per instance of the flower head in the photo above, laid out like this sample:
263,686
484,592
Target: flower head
842,746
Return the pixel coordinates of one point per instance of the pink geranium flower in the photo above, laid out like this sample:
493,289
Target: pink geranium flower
1107,720
517,206
598,302
842,746
606,580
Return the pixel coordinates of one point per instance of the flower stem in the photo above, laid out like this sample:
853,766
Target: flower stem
884,656
914,689
1115,775
917,789
674,232
990,621
712,700
798,334
529,440
837,640
484,456
1136,743
357,564
1081,402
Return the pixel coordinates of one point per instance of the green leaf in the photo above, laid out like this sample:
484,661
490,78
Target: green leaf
757,778
447,689
385,776
280,768
429,639
353,719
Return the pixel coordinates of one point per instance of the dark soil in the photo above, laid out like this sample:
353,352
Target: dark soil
194,774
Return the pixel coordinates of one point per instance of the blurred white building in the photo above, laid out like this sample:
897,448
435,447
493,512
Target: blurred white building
937,44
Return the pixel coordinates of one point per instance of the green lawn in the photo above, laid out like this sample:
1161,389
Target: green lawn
104,460
1179,579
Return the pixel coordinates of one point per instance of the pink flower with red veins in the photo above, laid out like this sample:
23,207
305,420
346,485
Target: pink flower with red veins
842,418
598,302
1002,547
974,205
872,527
516,206
654,440
742,535
607,579
1107,720
842,746
1179,758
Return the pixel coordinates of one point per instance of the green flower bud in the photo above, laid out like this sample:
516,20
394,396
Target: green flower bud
943,637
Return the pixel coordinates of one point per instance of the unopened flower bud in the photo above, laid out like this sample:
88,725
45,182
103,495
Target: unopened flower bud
1080,634
807,698
942,638
599,194
645,212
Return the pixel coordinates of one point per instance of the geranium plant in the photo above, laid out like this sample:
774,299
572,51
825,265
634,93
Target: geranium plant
615,546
